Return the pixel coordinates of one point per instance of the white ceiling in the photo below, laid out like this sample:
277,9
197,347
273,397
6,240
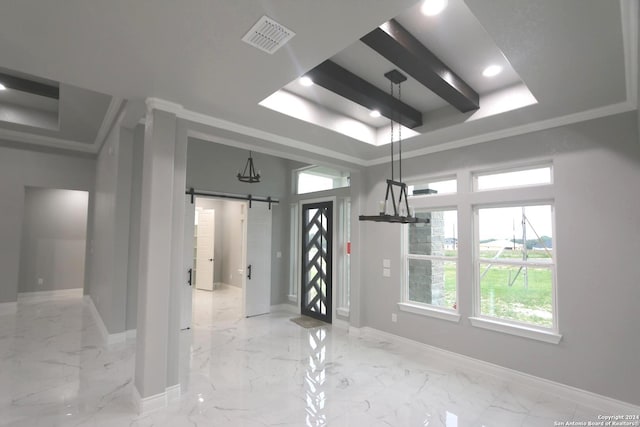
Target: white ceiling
570,53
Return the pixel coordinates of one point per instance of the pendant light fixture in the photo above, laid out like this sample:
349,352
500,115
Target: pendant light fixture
398,210
249,174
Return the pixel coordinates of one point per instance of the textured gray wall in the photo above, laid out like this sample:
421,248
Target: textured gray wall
21,168
54,236
596,175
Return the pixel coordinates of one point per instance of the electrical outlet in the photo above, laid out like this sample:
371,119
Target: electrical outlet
386,272
278,254
386,263
40,281
394,317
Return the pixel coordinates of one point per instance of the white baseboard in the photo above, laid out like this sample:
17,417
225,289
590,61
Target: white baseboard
287,308
107,338
157,401
173,393
8,307
47,295
596,401
344,312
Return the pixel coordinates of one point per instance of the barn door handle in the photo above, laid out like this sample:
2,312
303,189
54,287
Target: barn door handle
190,276
249,275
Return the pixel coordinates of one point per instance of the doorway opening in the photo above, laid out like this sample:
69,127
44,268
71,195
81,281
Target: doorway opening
54,233
227,252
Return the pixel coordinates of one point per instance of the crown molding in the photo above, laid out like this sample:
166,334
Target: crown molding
47,141
582,116
192,116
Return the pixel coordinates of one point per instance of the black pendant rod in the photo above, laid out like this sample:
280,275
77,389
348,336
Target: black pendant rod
392,120
248,197
400,140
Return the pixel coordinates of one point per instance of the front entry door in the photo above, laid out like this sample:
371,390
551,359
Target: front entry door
317,229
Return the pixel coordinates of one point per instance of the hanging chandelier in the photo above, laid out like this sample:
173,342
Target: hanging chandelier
398,210
249,173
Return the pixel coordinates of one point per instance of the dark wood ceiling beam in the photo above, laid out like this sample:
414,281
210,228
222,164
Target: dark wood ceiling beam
333,77
395,43
29,86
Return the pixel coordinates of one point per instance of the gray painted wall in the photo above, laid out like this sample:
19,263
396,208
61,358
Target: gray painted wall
54,236
212,167
109,248
19,169
596,173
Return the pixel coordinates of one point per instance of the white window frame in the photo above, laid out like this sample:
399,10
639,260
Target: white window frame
295,180
344,287
294,256
450,314
523,329
516,168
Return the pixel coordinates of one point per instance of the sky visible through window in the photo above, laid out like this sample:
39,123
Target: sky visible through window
506,223
308,183
515,178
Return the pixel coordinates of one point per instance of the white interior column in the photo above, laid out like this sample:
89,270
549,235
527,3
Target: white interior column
154,286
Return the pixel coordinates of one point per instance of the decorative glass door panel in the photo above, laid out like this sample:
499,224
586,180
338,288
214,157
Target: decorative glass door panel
317,229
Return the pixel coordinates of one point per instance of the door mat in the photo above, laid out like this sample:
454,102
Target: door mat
308,322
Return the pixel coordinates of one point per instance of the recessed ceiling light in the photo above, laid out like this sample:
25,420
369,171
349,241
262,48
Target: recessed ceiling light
433,7
2,87
492,70
306,81
375,113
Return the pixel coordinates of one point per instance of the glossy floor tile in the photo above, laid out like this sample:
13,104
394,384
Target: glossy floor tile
262,371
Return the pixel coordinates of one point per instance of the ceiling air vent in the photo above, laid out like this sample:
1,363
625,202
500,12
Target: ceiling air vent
267,35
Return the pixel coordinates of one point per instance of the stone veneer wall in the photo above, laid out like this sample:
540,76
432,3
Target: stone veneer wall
426,279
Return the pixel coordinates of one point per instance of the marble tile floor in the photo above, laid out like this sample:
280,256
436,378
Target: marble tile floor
262,371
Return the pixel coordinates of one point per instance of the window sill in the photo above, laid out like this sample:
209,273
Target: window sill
521,331
344,312
429,311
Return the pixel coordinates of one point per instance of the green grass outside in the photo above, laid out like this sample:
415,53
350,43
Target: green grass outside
530,303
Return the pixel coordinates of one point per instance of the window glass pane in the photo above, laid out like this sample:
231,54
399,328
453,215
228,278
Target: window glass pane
517,293
438,238
432,282
519,178
517,233
320,178
446,186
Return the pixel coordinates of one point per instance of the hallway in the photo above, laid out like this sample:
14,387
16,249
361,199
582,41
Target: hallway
261,371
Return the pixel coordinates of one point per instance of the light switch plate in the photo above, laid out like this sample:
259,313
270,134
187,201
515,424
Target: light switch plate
386,272
394,317
386,263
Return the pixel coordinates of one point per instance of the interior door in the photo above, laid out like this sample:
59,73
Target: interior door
257,288
204,255
186,288
317,256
